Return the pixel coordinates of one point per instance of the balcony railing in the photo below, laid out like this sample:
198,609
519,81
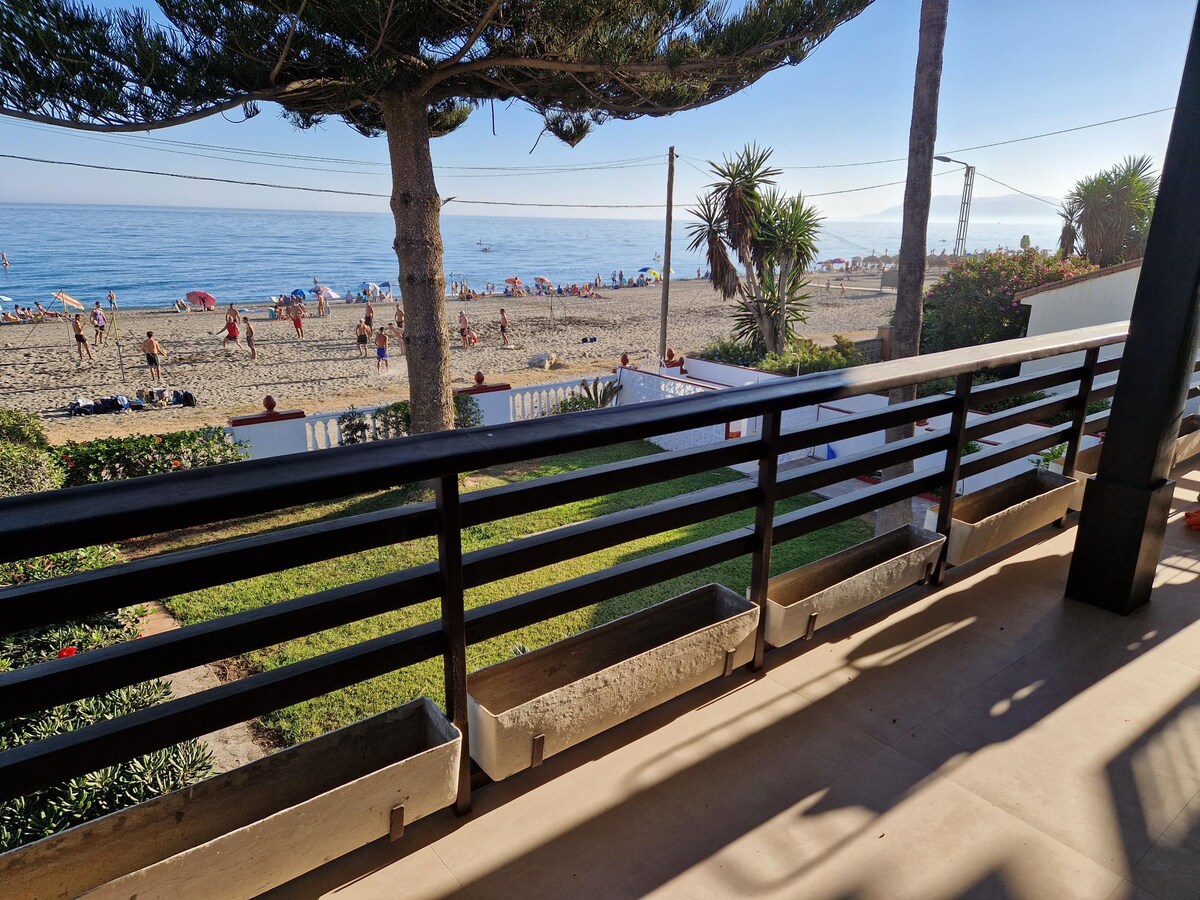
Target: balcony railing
60,520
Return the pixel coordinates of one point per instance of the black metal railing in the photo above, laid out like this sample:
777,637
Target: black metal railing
60,520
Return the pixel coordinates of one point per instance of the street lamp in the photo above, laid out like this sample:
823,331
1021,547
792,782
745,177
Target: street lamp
964,211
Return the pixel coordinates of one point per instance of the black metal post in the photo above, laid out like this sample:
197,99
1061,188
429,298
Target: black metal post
764,528
1125,508
454,631
958,440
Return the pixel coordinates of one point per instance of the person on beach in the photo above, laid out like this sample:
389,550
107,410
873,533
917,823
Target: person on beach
361,333
231,334
463,328
249,329
399,316
154,353
322,306
81,343
397,333
231,314
99,323
381,348
369,315
503,327
112,301
46,313
298,319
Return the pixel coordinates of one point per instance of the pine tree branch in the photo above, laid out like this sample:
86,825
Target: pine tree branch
287,44
115,127
480,27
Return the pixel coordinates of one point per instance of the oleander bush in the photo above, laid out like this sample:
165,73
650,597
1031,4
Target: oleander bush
111,459
22,428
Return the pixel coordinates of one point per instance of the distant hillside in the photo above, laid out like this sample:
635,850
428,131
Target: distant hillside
1004,208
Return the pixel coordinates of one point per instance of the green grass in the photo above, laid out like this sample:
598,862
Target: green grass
314,717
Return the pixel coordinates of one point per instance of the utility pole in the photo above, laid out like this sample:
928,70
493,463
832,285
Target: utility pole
964,209
666,273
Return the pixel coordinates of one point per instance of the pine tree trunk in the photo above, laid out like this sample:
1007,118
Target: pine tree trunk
911,264
417,210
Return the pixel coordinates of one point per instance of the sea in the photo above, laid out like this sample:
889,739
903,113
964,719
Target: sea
152,255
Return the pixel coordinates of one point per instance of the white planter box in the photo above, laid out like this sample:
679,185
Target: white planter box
828,589
1087,463
1003,512
1188,444
258,826
537,704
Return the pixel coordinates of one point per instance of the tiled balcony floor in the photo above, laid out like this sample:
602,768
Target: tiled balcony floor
987,739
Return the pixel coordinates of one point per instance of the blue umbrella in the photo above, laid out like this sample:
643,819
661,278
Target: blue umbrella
300,292
644,269
387,285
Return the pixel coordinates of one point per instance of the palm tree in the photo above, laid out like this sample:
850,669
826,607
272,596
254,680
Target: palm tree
772,236
922,133
1107,216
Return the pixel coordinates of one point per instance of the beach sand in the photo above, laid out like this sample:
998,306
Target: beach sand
324,372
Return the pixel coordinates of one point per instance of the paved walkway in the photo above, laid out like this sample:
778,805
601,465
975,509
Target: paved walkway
986,739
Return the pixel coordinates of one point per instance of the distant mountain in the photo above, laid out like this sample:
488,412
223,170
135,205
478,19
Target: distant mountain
1006,207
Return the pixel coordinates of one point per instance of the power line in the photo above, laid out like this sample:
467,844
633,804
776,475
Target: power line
1030,137
1018,190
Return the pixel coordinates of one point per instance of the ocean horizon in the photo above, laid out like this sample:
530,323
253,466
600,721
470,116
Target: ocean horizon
152,255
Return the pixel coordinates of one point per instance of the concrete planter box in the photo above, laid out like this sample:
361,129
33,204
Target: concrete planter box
248,830
1086,464
1188,444
537,704
824,591
1005,511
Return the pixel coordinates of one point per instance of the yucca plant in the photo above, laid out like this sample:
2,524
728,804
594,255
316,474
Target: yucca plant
1106,217
744,219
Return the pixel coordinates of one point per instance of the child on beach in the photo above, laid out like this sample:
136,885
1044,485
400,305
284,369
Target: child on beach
81,343
361,333
503,327
250,337
231,334
381,348
99,323
154,353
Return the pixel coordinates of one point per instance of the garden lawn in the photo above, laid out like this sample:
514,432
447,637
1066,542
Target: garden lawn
314,717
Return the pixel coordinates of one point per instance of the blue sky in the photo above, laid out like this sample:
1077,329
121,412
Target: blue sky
1011,69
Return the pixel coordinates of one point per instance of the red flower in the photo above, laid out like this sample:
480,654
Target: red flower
157,439
67,651
176,463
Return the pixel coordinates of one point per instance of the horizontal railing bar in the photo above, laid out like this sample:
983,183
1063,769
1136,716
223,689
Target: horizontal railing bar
1103,392
55,759
531,496
71,597
831,471
1096,422
572,541
89,674
839,509
1020,415
1006,453
1024,384
499,618
857,424
1107,366
41,523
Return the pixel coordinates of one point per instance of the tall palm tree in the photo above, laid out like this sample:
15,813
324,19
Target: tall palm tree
1107,216
918,187
772,236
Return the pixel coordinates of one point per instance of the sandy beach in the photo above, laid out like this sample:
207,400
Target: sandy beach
324,372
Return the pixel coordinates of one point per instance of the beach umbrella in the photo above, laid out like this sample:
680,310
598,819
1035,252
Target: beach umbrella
653,273
4,299
514,281
330,294
387,285
202,298
67,300
300,293
542,279
644,269
367,287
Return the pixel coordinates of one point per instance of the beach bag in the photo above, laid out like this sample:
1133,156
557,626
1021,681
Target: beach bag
187,399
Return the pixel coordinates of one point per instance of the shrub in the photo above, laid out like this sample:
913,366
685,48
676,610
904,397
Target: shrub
53,809
574,403
594,394
25,429
974,302
395,420
729,350
110,459
27,470
467,413
806,357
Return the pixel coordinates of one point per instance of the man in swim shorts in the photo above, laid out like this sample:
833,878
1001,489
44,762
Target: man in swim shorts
154,353
361,334
503,327
99,323
381,348
81,343
249,329
298,319
231,334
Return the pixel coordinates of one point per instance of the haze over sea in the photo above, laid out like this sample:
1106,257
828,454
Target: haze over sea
152,255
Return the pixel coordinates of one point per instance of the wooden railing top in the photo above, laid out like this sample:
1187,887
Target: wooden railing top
57,520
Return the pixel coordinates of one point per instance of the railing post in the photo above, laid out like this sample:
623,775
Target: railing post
958,441
454,655
1079,422
764,527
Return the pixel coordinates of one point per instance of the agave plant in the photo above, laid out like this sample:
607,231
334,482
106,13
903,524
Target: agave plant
743,219
602,394
1107,216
